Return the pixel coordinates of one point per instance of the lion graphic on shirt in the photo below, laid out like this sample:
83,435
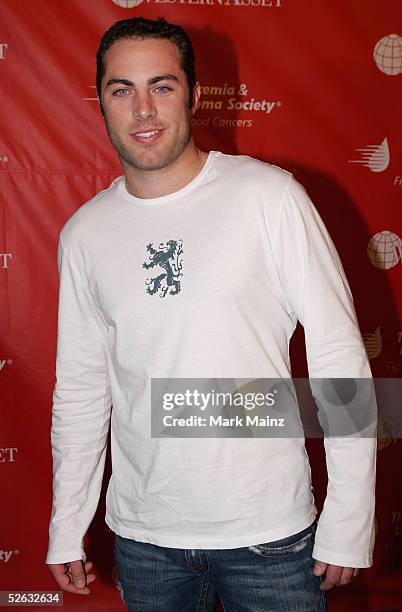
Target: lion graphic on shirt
167,256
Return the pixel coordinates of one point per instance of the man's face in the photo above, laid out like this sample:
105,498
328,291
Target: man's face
145,101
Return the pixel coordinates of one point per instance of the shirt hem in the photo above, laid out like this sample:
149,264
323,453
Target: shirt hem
200,542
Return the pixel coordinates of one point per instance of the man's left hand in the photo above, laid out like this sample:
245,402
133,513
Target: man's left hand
335,575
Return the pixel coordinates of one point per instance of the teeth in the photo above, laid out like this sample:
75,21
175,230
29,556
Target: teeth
147,134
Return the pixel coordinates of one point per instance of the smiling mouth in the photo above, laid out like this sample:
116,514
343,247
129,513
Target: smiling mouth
147,137
147,134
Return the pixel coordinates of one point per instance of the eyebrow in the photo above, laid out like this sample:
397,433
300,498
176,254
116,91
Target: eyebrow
152,81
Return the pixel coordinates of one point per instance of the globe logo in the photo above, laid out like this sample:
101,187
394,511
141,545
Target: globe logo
385,250
127,3
388,54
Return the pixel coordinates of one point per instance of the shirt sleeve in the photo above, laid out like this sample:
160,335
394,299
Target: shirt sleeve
318,294
81,412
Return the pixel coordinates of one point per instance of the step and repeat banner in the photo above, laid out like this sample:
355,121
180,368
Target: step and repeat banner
313,86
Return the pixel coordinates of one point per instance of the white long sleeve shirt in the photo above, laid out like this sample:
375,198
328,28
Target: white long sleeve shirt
254,258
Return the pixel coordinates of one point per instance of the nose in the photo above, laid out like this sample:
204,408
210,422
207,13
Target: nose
144,107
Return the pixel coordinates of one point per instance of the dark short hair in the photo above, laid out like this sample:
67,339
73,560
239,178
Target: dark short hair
140,28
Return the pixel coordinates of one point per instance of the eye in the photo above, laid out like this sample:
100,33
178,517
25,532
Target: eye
163,89
120,92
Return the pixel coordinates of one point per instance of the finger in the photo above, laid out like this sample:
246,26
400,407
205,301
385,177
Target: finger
86,576
355,572
346,576
90,578
332,577
64,580
319,568
78,580
77,574
70,588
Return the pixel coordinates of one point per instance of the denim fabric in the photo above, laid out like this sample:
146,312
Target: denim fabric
270,577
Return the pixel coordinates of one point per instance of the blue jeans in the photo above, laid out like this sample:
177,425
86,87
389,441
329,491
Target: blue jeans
271,577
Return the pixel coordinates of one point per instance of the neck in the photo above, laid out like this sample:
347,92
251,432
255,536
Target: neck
157,183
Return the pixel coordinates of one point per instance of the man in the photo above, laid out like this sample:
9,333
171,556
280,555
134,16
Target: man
197,265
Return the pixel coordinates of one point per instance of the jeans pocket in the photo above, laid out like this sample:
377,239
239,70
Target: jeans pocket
287,546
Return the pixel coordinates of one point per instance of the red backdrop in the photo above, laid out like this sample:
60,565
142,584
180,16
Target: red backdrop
314,86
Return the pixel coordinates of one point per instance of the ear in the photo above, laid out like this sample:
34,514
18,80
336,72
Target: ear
196,97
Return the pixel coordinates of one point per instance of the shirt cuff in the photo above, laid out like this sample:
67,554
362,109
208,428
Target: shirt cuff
334,558
65,557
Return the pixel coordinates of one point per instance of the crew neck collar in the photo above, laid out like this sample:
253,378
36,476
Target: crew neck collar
170,196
